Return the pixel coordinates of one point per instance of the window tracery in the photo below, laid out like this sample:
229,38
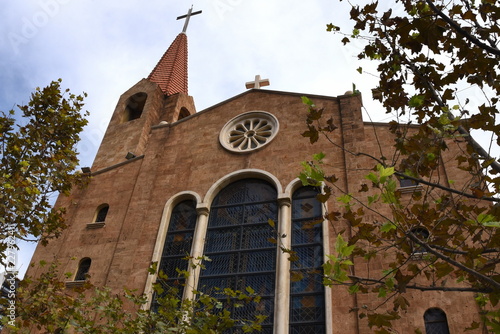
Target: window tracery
249,131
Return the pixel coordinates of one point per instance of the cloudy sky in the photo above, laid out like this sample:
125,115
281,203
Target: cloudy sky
104,47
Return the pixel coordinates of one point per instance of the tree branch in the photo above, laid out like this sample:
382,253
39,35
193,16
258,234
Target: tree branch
454,251
482,278
461,31
470,140
436,185
361,280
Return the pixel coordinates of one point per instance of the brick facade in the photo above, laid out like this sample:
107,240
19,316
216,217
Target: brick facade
184,156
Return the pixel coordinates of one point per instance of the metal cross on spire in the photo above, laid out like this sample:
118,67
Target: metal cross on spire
187,16
257,83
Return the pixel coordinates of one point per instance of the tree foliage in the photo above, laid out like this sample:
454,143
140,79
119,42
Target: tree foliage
46,304
438,64
38,158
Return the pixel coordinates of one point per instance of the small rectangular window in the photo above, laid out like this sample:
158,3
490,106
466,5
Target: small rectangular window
404,182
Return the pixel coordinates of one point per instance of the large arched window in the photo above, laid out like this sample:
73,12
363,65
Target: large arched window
436,322
178,245
237,243
307,301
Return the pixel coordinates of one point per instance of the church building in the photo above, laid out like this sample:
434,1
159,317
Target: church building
169,181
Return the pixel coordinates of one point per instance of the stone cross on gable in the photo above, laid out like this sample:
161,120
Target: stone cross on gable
187,16
257,83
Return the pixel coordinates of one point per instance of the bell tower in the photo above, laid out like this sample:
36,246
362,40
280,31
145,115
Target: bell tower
161,98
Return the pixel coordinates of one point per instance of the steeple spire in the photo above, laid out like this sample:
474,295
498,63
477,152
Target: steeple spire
171,72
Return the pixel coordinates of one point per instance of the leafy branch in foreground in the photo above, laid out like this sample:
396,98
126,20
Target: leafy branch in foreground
437,64
49,306
434,238
38,158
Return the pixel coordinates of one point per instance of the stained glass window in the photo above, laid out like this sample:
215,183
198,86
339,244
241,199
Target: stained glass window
436,322
307,301
177,246
237,243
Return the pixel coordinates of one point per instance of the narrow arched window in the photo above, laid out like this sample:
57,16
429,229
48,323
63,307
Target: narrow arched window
177,247
102,212
436,322
238,246
423,235
183,113
307,301
83,269
134,106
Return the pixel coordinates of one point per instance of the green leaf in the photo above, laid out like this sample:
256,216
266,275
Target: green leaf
485,220
416,101
306,100
372,177
346,198
382,292
353,289
385,172
444,119
319,156
387,227
343,250
495,224
373,199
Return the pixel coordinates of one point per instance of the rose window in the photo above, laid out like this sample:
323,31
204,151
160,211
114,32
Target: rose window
249,131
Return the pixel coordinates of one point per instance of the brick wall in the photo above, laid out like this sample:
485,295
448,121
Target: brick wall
187,156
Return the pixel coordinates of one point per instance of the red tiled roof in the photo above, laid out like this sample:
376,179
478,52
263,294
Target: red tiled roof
171,72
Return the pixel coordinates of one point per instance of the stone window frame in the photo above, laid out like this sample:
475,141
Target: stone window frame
281,318
81,274
408,186
438,318
99,221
